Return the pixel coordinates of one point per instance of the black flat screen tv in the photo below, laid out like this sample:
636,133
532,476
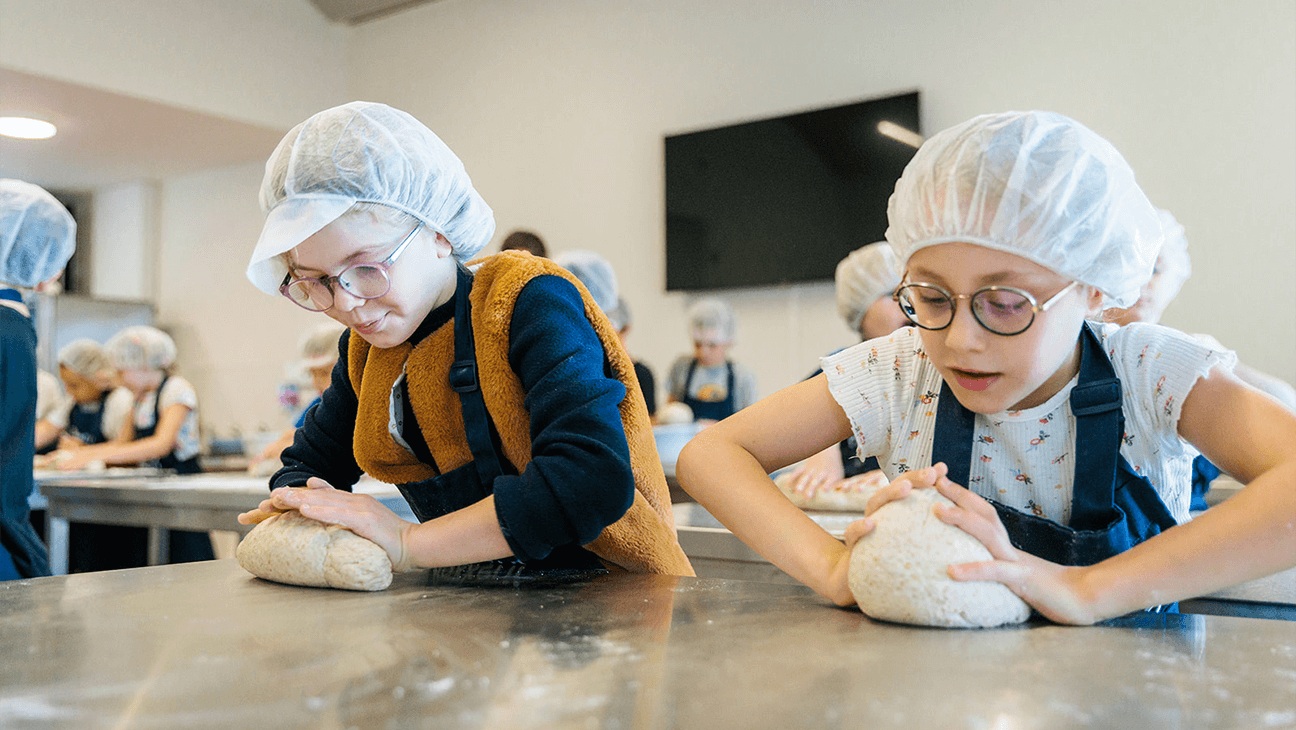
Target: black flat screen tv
782,200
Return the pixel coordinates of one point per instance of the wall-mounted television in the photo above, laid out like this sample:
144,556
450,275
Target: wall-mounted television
782,200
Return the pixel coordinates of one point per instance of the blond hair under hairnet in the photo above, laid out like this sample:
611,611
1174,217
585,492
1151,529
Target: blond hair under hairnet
86,358
1034,184
595,272
363,152
37,234
868,274
712,318
141,347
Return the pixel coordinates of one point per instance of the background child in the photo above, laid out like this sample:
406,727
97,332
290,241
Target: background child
319,353
865,280
37,237
708,382
498,400
51,401
1015,228
622,320
97,410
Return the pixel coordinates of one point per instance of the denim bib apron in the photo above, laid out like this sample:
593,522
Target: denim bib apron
1113,508
185,546
87,425
474,481
714,410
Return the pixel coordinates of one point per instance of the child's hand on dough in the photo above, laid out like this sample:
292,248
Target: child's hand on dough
359,513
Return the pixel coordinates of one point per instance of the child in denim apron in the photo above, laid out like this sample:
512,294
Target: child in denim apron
494,394
37,237
1065,445
96,411
710,383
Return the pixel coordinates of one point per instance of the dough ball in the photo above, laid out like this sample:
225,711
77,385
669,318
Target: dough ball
898,571
848,495
290,548
674,413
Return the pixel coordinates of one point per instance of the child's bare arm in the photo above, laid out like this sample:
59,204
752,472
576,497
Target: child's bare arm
725,468
1251,535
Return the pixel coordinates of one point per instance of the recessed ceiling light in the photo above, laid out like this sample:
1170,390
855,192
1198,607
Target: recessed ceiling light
25,128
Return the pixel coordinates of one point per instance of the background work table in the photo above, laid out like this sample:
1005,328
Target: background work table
205,645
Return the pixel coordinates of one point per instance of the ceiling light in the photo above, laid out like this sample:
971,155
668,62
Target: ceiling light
25,128
900,134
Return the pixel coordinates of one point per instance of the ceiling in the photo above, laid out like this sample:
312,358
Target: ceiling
105,138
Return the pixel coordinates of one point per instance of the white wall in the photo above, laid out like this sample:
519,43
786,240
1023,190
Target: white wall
558,110
124,241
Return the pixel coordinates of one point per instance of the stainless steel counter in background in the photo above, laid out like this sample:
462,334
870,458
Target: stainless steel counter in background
205,645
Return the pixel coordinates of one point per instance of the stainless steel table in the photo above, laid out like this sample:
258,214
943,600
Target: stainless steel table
161,503
205,645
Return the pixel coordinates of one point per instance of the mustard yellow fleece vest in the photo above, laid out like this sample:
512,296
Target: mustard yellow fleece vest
642,541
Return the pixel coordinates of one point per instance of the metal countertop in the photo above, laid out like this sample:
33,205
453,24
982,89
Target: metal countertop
205,645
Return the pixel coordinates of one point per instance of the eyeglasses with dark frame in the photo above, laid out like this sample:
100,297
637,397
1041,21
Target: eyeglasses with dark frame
363,281
1003,310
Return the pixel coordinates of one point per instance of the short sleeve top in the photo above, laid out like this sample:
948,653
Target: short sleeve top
1024,459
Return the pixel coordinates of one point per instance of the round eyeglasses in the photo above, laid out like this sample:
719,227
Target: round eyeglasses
363,281
1003,310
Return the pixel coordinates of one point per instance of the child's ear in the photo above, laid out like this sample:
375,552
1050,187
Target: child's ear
443,246
1093,301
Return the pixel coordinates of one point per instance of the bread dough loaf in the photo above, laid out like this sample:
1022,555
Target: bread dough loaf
898,571
850,495
290,548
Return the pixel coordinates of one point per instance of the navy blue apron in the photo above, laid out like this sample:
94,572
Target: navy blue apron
185,546
474,481
714,410
1113,508
87,425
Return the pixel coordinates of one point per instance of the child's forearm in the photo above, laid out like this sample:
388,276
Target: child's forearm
1248,536
731,484
469,535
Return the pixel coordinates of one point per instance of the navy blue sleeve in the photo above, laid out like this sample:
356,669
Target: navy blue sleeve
322,445
18,444
579,480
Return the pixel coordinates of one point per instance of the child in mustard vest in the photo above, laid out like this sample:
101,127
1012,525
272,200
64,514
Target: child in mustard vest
1065,445
496,397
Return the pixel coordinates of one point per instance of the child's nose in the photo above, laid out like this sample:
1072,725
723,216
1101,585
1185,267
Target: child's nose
345,301
965,332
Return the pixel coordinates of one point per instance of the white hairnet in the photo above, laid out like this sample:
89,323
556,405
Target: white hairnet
865,276
1173,264
1034,184
712,319
620,315
143,347
86,358
320,346
363,153
37,234
595,272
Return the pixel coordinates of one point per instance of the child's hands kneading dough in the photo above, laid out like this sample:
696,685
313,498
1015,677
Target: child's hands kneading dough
359,513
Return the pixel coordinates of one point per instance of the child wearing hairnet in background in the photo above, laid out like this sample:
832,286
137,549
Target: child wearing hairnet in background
866,279
1014,229
596,273
37,237
708,382
496,398
319,353
96,407
161,426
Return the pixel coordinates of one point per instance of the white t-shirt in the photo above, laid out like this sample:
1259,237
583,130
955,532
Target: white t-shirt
115,412
175,390
1024,459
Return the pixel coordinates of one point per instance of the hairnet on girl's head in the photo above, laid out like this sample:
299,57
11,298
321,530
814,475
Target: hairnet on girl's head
712,319
363,153
320,346
1035,184
1173,264
86,358
142,347
595,272
37,234
863,277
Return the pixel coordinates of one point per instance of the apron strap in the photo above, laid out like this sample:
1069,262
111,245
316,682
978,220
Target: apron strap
464,381
1096,405
12,295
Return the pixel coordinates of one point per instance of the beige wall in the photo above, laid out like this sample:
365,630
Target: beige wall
558,109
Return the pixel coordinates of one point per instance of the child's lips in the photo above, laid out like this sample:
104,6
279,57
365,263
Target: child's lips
974,379
368,328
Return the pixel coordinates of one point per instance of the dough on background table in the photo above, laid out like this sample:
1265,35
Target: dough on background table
898,571
290,548
848,495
